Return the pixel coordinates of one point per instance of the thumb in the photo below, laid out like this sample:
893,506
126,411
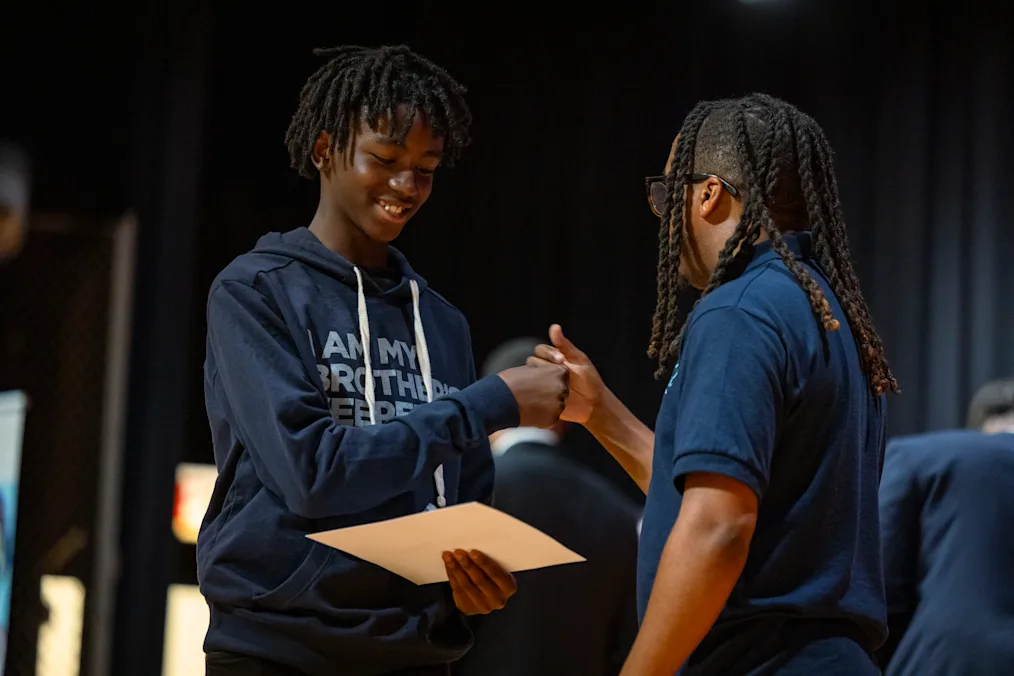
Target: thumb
560,342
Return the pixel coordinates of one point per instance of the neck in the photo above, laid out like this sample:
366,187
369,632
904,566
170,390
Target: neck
345,238
999,424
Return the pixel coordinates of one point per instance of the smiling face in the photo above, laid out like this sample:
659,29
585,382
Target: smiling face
378,183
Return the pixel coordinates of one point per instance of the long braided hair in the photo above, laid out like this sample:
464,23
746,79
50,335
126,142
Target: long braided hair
782,164
361,84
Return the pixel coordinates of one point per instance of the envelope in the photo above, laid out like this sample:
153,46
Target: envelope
413,546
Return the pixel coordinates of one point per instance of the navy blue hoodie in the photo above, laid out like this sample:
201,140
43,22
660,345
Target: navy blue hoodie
303,351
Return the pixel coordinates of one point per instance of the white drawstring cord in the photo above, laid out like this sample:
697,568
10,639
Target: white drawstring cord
422,354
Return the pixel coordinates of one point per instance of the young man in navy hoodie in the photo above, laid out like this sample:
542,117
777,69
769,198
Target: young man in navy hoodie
341,390
759,549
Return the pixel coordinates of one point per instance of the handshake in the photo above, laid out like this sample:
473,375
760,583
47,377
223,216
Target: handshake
558,382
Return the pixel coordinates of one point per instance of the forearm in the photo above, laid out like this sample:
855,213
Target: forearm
626,438
312,466
699,568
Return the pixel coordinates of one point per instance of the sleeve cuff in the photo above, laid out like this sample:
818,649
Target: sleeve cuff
717,463
494,402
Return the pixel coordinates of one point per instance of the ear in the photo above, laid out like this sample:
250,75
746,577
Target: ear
711,192
322,154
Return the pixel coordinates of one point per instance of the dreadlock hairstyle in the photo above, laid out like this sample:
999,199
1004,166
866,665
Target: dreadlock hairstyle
780,161
360,84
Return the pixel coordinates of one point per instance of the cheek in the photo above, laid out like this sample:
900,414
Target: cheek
424,186
364,177
689,232
691,256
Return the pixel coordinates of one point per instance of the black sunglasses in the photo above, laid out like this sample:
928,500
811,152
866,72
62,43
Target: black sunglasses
655,187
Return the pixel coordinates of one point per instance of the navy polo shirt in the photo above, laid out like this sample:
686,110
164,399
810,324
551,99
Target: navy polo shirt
763,394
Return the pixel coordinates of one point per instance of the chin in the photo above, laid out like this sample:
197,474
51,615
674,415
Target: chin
695,278
384,227
383,233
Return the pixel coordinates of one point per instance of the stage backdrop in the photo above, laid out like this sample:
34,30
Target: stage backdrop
545,219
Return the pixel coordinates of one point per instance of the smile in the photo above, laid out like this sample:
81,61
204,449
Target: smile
393,209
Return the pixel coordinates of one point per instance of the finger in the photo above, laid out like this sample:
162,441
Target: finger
564,374
453,571
569,350
460,587
458,580
549,353
538,362
491,594
500,577
468,583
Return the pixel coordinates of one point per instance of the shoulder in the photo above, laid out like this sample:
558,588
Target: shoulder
949,446
441,301
766,301
932,441
731,313
249,269
769,292
531,469
448,310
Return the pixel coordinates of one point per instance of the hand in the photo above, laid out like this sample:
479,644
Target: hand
480,585
586,386
541,392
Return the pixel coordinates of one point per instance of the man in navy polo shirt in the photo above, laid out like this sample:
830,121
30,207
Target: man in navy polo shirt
760,546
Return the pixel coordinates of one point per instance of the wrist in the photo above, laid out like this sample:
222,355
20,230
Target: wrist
494,402
602,408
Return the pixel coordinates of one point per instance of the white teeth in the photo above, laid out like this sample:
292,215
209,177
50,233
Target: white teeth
391,208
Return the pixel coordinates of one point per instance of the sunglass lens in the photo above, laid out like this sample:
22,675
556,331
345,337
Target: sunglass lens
658,194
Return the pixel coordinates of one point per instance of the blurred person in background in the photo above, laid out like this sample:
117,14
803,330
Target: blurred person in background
15,181
341,391
760,549
947,507
14,194
578,619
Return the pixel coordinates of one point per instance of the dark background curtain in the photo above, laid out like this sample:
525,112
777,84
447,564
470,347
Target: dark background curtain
183,114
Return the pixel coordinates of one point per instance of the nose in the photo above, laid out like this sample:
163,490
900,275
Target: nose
404,184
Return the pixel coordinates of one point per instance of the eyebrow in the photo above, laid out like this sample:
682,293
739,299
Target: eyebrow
388,141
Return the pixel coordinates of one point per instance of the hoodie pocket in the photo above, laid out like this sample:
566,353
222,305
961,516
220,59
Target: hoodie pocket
294,586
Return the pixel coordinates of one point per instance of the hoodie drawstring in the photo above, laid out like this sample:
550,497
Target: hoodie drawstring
364,338
422,354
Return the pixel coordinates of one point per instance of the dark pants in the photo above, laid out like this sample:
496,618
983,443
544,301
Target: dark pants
230,664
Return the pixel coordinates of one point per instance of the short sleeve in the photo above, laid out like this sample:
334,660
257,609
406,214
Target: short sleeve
731,370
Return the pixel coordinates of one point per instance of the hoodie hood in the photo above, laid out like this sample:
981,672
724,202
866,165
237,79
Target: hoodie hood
302,245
